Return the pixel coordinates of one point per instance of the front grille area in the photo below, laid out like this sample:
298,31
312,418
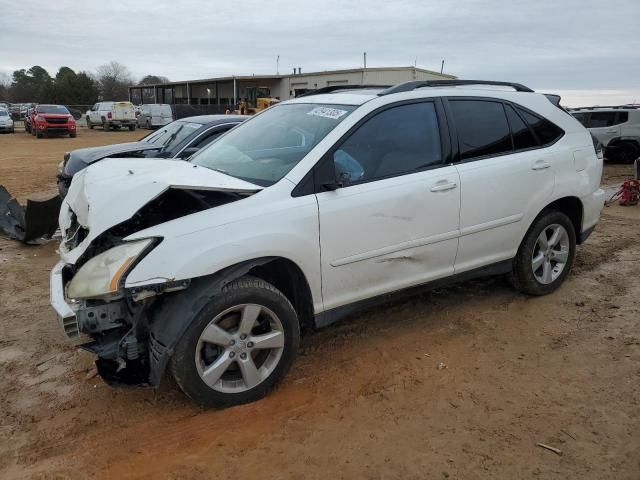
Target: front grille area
55,120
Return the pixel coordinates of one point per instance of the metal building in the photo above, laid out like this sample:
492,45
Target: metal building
231,90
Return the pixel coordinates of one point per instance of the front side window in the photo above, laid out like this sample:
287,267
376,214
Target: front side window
482,128
267,147
396,141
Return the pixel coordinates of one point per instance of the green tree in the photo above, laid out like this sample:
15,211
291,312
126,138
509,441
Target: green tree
153,79
33,85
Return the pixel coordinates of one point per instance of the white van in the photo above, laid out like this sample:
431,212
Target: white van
112,115
154,115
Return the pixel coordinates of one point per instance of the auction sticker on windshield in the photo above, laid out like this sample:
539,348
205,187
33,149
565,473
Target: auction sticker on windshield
327,112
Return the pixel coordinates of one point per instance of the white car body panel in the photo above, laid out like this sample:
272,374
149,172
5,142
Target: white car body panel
386,235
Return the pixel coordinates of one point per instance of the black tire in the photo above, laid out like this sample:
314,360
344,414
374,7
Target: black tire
39,135
523,277
33,132
72,135
89,124
132,128
242,291
627,152
105,125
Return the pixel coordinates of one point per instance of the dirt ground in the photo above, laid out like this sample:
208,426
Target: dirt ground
366,398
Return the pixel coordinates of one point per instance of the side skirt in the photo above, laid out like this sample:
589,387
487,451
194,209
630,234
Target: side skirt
330,316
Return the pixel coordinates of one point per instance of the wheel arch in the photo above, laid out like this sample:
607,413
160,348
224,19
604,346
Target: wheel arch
173,314
572,207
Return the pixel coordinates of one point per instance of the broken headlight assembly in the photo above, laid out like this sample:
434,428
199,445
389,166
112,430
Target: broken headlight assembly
100,276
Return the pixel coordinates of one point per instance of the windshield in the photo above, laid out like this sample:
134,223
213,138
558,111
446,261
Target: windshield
173,134
267,147
59,109
4,113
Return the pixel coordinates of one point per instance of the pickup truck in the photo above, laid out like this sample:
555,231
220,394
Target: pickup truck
51,119
112,115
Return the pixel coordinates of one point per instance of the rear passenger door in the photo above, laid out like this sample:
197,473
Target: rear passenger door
506,177
391,219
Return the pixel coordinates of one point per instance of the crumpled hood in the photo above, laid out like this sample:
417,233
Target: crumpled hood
112,191
80,158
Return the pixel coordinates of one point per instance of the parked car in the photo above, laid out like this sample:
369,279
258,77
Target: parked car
309,211
111,115
179,139
45,120
617,129
154,115
6,122
27,119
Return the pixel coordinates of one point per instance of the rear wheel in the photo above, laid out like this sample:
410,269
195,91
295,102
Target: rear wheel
238,346
627,152
132,127
105,126
546,255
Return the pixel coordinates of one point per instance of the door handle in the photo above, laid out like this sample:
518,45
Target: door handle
611,131
441,187
540,165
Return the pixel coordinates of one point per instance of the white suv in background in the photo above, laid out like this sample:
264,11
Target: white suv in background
311,210
616,128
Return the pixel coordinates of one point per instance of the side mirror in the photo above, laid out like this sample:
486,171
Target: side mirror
187,152
342,179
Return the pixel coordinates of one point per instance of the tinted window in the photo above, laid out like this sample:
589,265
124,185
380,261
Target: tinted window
482,128
522,136
546,131
622,117
602,119
396,141
582,118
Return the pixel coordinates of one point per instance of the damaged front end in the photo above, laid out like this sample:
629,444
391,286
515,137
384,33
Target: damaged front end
95,308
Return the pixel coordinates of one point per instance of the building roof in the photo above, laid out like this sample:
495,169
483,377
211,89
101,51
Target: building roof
275,77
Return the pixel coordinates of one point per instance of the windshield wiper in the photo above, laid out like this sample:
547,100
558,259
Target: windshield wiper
171,138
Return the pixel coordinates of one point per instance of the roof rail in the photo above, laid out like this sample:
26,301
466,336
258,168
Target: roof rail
334,88
608,107
412,85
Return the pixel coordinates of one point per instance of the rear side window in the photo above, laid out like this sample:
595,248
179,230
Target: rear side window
396,141
522,136
482,128
602,119
546,131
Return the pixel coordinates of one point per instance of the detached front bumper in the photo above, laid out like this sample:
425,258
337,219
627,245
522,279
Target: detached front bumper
66,312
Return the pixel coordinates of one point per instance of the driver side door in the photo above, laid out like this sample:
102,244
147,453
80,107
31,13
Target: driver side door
390,219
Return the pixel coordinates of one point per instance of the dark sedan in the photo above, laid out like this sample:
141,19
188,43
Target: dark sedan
179,139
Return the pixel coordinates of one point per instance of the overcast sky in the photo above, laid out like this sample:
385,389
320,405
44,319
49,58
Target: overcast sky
587,50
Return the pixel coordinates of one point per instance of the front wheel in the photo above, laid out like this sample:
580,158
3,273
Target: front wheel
239,346
89,124
132,128
546,255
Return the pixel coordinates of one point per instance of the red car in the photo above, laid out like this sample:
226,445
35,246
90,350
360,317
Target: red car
49,119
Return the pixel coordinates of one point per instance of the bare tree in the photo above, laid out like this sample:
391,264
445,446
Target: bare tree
113,79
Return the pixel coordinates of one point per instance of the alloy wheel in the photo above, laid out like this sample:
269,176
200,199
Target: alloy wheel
239,348
550,253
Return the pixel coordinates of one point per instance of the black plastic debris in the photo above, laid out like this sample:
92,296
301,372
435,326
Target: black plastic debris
28,224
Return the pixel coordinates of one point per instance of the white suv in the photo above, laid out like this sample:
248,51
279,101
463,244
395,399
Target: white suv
616,128
310,210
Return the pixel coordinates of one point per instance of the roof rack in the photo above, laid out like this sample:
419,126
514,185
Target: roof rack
610,107
412,85
334,88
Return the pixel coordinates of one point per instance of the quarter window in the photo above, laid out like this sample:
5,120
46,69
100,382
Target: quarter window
482,128
396,141
546,131
522,136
